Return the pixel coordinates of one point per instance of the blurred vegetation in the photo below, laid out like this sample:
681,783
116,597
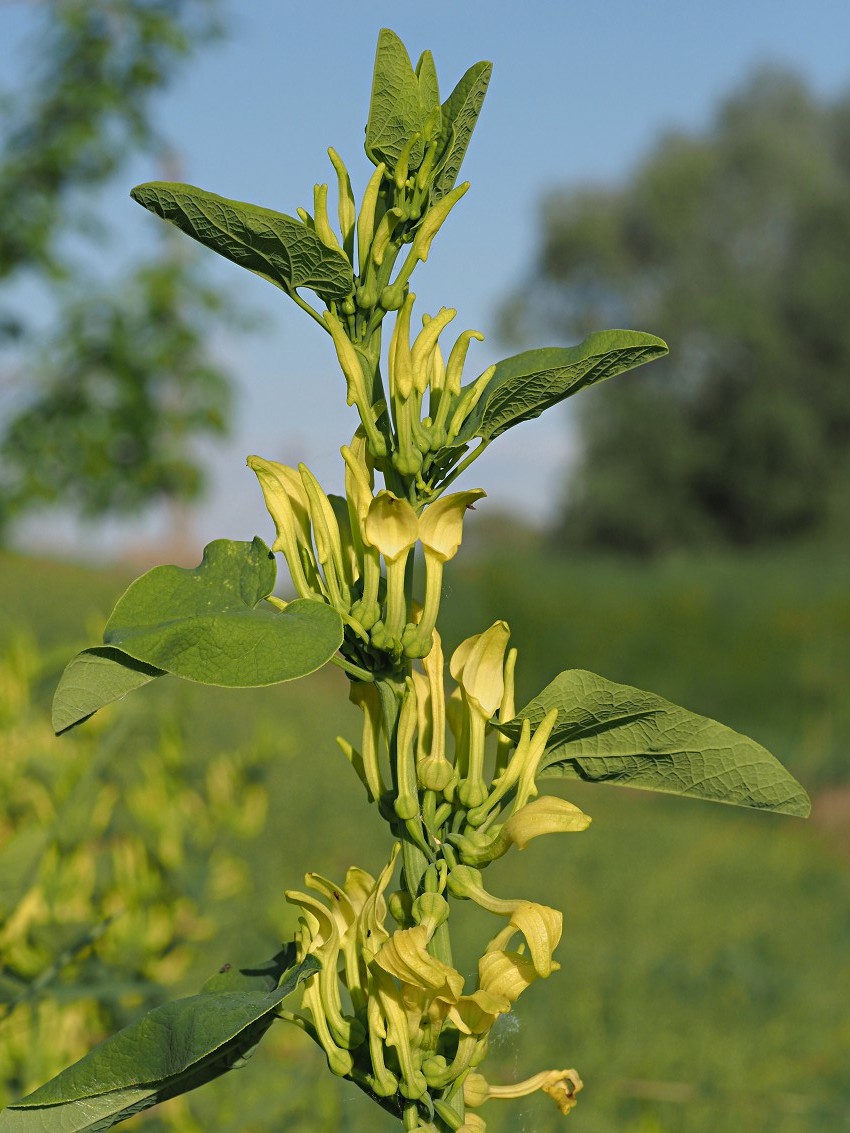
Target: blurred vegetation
705,957
730,243
121,858
105,390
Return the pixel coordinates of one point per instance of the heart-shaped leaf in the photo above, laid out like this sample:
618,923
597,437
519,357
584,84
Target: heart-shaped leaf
93,679
460,113
172,1050
211,624
523,386
612,733
277,247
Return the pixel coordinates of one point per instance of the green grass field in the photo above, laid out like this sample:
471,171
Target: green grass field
706,955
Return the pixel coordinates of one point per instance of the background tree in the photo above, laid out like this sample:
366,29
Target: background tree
101,407
732,245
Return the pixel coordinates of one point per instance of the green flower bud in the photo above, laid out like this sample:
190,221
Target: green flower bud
433,221
345,208
366,219
322,223
430,910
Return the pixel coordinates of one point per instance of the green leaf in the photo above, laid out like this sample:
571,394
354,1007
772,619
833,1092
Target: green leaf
210,624
523,386
395,107
277,247
460,113
173,1049
612,733
94,678
429,89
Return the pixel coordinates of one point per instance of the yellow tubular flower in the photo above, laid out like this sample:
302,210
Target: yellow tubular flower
413,1084
327,537
526,788
344,913
371,933
561,1085
366,697
287,504
347,1032
433,222
407,801
366,219
345,207
405,956
358,493
392,528
457,358
349,361
386,1083
399,364
467,402
507,711
478,666
546,815
505,974
323,225
425,344
440,533
541,926
434,771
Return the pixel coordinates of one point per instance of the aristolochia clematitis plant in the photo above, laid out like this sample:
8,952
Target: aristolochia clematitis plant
451,769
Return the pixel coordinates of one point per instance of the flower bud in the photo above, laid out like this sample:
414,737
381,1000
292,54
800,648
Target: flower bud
323,225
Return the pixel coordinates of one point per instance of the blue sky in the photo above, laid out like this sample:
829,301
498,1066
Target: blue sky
580,92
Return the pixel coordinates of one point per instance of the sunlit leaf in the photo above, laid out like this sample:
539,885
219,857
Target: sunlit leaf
395,107
173,1049
211,623
277,247
460,113
613,733
523,386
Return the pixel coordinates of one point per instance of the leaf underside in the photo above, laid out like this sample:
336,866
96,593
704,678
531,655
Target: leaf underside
94,678
460,113
525,385
613,733
271,244
171,1050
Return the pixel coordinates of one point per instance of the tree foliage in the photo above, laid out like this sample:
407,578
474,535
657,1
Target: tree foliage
102,406
731,245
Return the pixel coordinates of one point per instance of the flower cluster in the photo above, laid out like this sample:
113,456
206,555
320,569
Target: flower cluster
388,1007
392,1017
334,547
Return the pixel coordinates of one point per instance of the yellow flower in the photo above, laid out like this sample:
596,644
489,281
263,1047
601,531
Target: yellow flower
478,666
391,526
546,815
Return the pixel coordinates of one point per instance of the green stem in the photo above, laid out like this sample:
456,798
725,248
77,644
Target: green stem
305,306
461,468
352,669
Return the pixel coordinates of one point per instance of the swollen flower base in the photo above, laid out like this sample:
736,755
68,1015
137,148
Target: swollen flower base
452,772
